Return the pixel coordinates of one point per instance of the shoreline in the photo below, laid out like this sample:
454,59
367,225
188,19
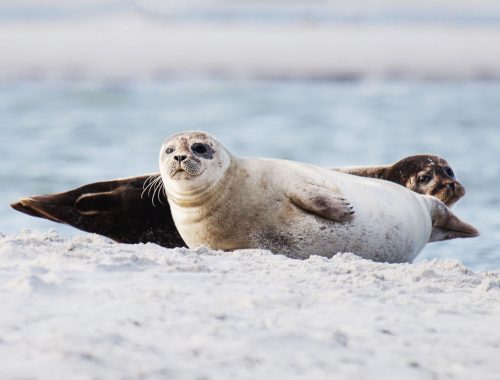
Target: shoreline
131,45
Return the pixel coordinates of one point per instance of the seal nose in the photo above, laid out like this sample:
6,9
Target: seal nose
180,158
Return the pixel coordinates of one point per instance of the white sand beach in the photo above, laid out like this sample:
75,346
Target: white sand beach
88,90
131,44
87,308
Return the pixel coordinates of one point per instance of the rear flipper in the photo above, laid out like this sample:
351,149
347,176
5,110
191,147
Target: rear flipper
114,209
445,224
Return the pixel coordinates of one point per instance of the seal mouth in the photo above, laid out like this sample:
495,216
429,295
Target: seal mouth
184,171
176,171
449,193
452,199
179,173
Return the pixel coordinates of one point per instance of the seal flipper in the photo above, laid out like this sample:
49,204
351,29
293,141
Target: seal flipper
445,224
113,209
322,202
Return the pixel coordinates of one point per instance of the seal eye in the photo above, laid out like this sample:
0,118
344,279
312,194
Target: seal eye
169,150
448,171
199,148
424,178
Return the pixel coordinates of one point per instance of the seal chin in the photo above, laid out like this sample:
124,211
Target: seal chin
183,175
449,193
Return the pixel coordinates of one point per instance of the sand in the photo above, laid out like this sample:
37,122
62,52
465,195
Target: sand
87,308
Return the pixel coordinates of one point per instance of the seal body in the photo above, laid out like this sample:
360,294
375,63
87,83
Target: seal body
389,224
293,208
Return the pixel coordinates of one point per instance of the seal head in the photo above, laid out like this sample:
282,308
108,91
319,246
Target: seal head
428,174
192,163
424,174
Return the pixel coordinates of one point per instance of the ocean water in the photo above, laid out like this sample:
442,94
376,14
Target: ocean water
60,134
383,12
59,130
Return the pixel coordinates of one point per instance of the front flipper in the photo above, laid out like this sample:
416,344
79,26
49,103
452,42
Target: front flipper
322,202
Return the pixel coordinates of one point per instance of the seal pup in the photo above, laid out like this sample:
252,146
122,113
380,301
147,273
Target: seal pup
227,202
424,174
127,210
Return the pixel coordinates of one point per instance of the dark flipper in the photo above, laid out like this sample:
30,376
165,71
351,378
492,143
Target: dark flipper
113,208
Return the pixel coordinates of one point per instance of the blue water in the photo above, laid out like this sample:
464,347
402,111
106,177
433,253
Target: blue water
57,135
478,13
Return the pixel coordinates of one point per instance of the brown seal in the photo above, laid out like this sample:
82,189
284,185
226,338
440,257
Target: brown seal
424,174
121,210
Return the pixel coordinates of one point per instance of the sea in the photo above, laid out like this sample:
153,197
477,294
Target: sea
58,133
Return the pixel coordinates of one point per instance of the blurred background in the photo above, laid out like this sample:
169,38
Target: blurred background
90,89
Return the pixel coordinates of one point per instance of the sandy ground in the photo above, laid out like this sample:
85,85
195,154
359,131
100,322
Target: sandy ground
131,45
87,308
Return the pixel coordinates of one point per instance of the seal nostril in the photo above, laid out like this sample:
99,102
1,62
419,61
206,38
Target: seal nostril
180,158
452,185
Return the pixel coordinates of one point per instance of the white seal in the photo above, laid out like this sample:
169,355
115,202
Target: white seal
227,202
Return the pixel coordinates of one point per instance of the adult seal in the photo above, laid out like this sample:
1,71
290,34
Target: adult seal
226,202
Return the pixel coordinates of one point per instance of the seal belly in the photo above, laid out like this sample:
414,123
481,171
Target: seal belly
390,225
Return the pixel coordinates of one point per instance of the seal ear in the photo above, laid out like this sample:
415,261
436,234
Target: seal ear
381,172
445,224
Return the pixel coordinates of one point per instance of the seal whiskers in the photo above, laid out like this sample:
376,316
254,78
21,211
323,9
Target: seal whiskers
154,183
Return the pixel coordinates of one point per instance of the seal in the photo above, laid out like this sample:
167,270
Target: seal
134,210
114,209
227,202
424,174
